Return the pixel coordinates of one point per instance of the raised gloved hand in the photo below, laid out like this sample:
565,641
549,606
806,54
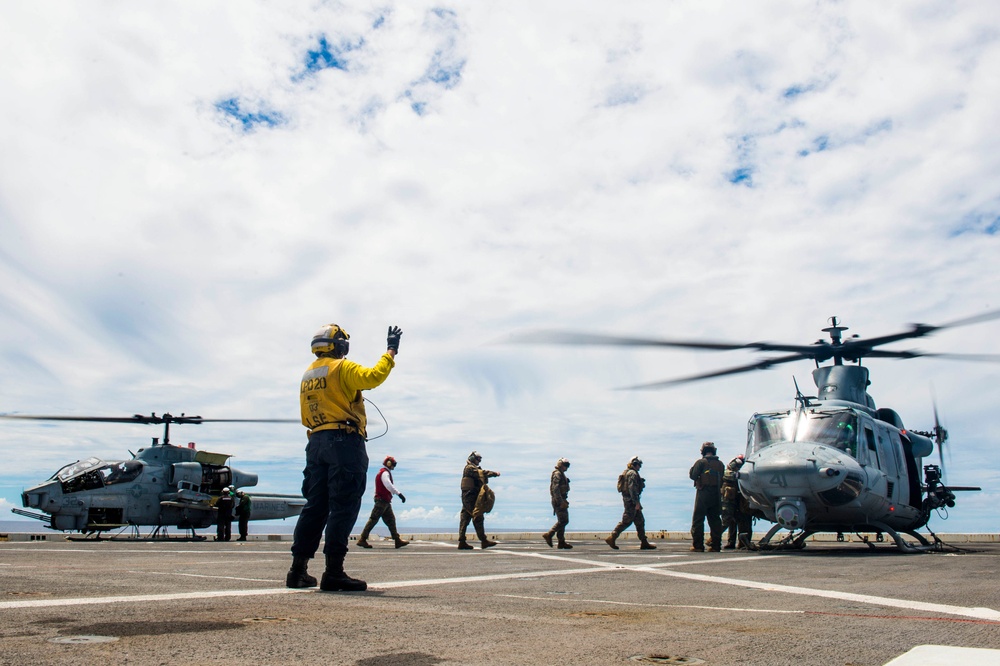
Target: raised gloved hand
402,498
392,339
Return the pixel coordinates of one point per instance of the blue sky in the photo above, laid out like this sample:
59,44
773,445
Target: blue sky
188,193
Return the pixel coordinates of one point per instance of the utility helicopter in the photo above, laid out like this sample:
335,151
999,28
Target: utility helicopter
162,485
836,462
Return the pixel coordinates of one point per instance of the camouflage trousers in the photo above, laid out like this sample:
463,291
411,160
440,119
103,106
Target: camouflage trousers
740,524
479,522
562,520
383,510
631,515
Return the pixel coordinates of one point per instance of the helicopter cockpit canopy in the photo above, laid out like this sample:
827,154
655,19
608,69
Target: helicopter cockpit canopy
94,473
837,429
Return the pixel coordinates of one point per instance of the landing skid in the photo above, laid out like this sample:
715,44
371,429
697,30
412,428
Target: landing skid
131,533
795,539
924,547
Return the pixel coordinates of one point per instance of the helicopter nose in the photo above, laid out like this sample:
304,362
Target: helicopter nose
793,469
39,496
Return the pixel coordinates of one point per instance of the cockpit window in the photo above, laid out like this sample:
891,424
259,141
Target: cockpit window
94,473
836,429
77,468
120,472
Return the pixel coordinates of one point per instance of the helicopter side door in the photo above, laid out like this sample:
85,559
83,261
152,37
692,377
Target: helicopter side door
883,454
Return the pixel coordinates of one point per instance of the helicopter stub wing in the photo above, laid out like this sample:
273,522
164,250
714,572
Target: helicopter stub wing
198,506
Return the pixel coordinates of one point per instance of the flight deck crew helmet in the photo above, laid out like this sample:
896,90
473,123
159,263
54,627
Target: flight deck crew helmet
707,446
389,462
635,462
562,462
331,338
475,458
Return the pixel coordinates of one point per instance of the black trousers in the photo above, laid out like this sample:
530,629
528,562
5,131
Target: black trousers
334,482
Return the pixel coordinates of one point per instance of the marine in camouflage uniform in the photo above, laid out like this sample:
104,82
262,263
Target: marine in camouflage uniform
707,476
474,478
559,491
630,484
735,507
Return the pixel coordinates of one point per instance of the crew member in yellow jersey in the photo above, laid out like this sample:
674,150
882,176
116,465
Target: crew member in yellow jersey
336,460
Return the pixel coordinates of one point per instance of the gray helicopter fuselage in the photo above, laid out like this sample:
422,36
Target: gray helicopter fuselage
835,464
162,485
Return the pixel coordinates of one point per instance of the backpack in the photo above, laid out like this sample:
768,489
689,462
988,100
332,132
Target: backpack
621,481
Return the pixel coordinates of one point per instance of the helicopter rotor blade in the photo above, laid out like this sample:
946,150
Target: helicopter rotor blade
760,365
940,435
569,338
140,418
251,421
919,331
974,319
820,350
975,358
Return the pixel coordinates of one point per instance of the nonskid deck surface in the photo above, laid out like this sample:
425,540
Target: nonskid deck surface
518,603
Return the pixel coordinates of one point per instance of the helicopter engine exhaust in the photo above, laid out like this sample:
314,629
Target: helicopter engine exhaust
243,479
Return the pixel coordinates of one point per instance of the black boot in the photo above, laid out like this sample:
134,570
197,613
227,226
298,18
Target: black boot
334,578
464,545
645,545
548,538
297,576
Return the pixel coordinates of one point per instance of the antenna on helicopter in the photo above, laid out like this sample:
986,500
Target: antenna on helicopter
800,397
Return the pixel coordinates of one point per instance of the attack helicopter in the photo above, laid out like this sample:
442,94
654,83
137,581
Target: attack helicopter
162,485
835,462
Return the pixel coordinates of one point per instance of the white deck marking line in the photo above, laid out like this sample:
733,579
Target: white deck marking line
946,609
146,551
211,594
179,596
191,575
483,578
630,603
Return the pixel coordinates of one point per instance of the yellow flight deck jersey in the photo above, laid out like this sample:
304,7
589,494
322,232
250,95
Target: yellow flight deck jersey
330,396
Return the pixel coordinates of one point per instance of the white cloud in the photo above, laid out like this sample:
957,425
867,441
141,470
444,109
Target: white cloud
422,515
683,170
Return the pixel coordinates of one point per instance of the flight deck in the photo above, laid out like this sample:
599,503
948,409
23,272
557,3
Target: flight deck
120,602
